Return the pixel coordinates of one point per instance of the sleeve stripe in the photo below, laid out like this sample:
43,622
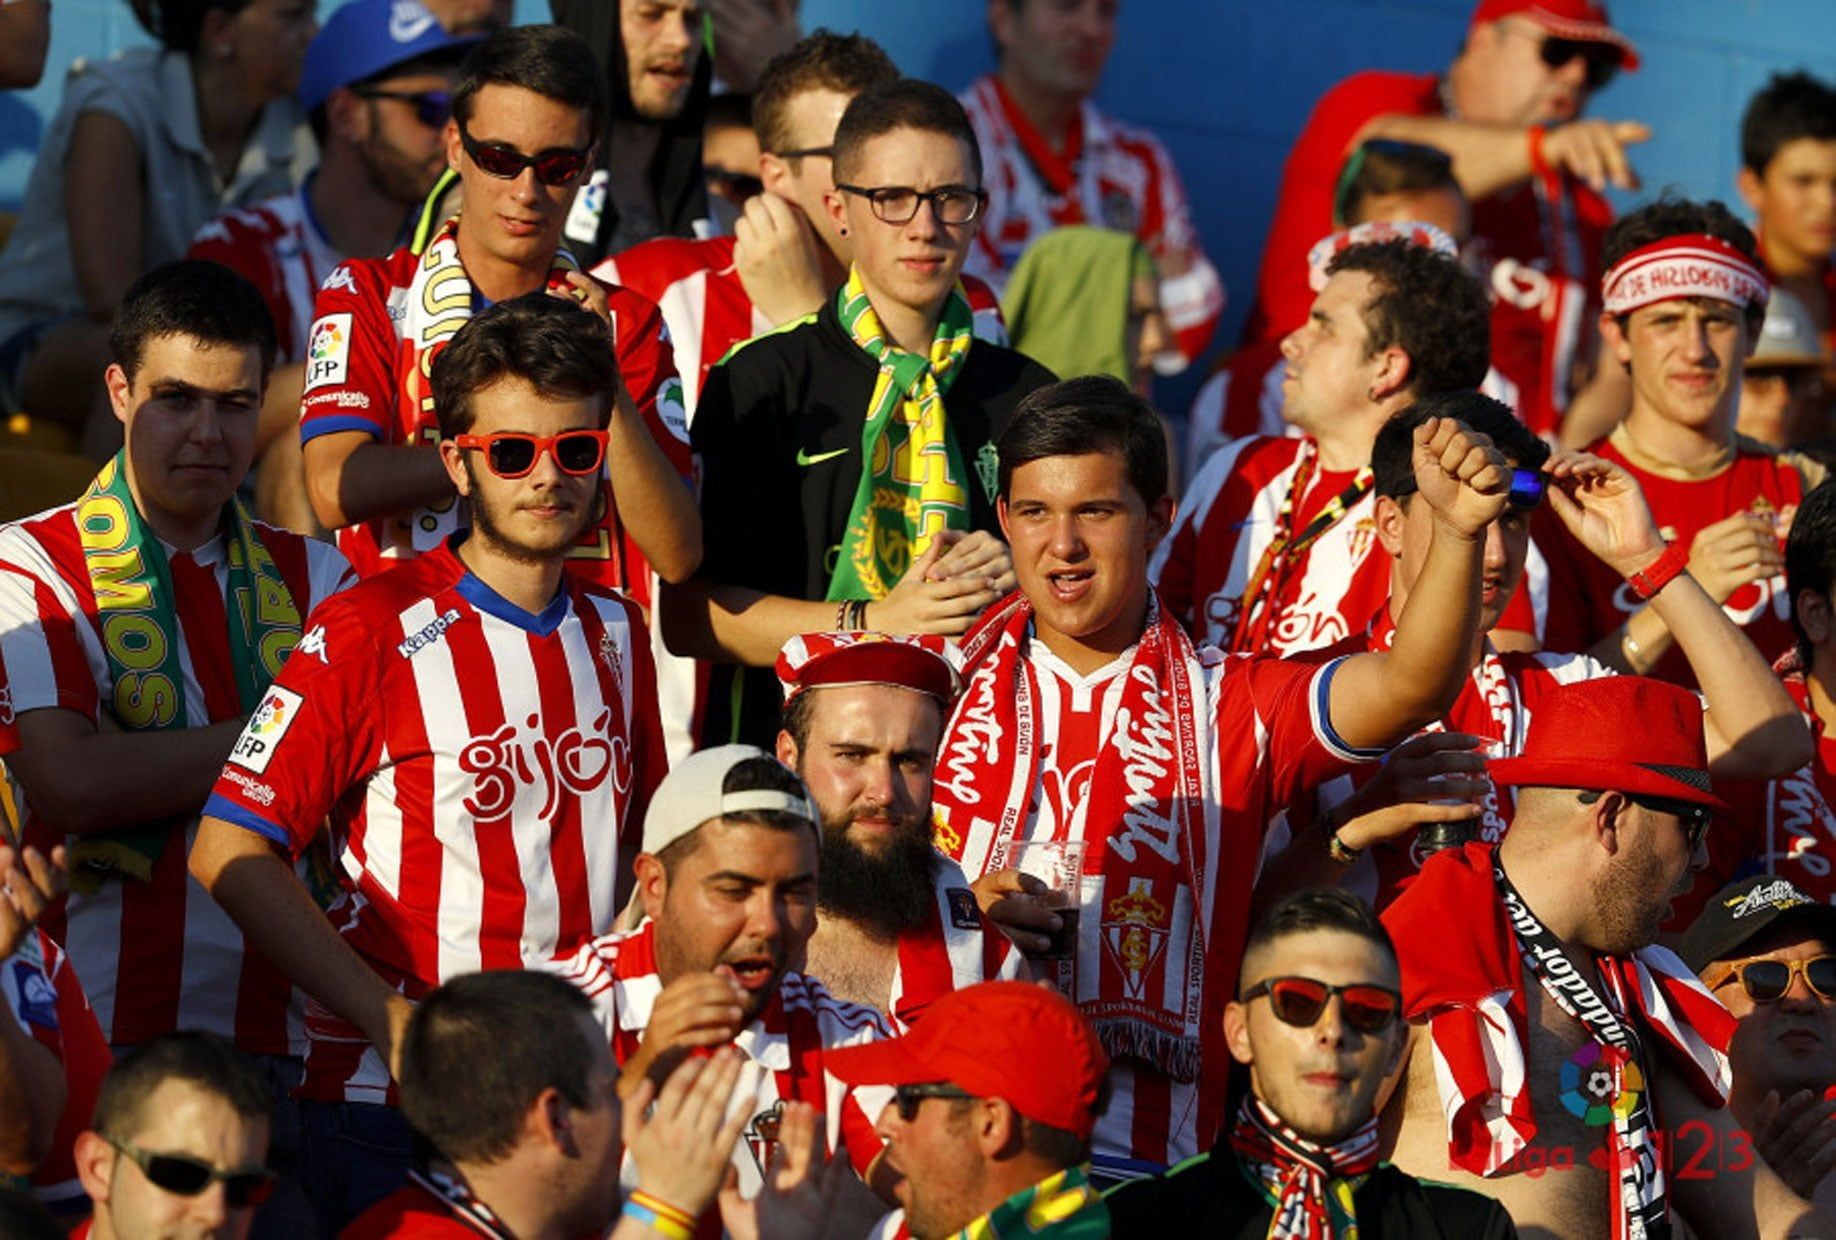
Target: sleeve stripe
220,806
1322,718
313,427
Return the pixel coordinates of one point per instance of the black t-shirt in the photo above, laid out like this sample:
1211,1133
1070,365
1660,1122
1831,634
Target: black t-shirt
778,435
1213,1196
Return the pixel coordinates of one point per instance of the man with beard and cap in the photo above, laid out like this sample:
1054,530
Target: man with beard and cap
727,883
863,714
1768,951
649,181
377,85
1555,1047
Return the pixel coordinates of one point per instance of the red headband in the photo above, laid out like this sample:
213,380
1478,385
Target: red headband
1694,265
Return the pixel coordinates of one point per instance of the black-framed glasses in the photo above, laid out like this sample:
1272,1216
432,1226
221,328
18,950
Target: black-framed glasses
187,1176
557,166
1301,1001
1766,981
898,204
807,152
909,1097
1695,819
431,107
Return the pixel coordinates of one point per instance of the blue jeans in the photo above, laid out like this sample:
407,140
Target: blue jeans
354,1154
289,1211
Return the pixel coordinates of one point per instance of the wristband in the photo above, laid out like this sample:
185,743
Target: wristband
659,1215
1340,852
1660,573
1539,165
841,616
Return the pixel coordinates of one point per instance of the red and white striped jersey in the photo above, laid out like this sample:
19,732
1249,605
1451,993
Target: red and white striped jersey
1108,175
956,947
485,771
708,310
1268,738
276,245
159,955
48,1002
378,325
1584,600
802,1022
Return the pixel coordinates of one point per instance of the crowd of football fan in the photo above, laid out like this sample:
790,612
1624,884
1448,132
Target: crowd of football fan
600,636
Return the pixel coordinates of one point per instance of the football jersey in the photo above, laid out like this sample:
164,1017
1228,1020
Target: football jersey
157,955
1270,739
707,309
955,947
1537,245
801,1022
378,325
48,1002
276,245
1108,175
485,771
1586,600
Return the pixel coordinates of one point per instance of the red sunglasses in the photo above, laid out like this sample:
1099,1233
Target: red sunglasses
1300,1001
556,167
513,454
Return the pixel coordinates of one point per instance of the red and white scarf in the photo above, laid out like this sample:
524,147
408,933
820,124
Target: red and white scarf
1312,1184
1470,987
1149,829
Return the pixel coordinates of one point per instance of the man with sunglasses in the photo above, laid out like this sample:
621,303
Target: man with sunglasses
479,728
377,85
848,462
1557,1054
1318,1023
178,1144
1370,840
1768,951
523,132
1508,109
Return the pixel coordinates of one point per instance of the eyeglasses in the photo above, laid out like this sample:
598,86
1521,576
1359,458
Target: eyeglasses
807,152
1300,1001
733,184
431,107
1602,58
176,1173
513,454
1766,981
558,166
908,1097
898,204
1693,818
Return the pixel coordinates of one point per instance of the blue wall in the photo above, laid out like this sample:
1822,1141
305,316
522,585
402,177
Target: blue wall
1228,83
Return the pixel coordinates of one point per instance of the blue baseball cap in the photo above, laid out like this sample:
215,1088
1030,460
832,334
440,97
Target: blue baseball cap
367,37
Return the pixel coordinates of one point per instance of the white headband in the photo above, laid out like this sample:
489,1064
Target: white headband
1689,266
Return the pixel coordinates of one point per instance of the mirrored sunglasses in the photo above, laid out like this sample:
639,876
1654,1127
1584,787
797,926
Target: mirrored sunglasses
558,167
1301,1001
513,454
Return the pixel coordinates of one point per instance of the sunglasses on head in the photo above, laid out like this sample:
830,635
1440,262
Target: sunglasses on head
1693,818
1602,58
187,1177
1528,486
1300,1001
431,107
1766,981
908,1098
513,454
557,166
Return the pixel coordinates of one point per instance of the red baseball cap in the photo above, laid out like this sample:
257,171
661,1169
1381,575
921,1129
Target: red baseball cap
923,663
1011,1040
1615,734
1585,20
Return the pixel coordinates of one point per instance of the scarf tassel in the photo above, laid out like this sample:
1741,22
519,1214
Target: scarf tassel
1173,1054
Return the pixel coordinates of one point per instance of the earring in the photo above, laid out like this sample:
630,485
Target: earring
842,231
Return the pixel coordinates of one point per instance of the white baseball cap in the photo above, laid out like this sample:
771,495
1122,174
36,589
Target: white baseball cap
695,792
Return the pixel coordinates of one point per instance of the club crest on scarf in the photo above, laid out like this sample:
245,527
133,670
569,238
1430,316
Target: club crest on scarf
1135,934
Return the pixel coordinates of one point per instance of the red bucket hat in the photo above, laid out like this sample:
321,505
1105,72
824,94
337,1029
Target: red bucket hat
1585,20
1616,734
1011,1040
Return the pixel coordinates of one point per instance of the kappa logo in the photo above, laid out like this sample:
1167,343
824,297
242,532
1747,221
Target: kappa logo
340,278
267,726
328,351
418,642
314,644
409,20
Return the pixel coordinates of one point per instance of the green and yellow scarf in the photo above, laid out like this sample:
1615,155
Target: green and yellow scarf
1061,1206
140,638
913,484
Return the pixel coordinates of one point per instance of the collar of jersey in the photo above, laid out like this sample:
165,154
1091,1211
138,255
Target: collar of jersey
489,601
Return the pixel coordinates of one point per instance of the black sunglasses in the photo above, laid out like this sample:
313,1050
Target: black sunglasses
739,184
431,107
908,1097
187,1177
1301,1001
1695,819
1602,58
1766,981
807,152
555,167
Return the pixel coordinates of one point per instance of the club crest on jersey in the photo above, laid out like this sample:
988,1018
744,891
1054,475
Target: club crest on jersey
1135,934
609,655
762,1134
328,351
270,722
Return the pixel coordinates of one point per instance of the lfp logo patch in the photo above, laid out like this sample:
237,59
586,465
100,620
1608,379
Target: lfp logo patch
1589,1091
328,351
279,708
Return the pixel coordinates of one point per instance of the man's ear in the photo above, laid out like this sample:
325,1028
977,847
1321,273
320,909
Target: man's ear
1236,1032
454,147
95,1163
1001,17
652,883
1605,822
836,205
1615,337
786,749
346,115
1752,189
1388,515
119,389
774,174
1393,375
1813,612
453,457
1001,500
999,1130
1160,520
551,1120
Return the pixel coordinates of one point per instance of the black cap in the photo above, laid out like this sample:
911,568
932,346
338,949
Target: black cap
1741,910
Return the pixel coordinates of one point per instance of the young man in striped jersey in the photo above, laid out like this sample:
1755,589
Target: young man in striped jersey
480,727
